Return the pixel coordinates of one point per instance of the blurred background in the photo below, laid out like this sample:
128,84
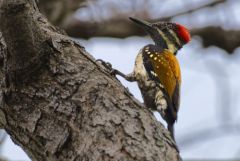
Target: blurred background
208,125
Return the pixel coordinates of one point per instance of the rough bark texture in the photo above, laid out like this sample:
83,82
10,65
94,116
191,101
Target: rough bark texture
58,104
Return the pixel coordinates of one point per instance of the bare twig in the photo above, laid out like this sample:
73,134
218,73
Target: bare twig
190,10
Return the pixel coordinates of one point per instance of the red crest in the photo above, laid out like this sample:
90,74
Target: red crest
183,33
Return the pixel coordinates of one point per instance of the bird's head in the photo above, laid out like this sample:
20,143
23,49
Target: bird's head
167,35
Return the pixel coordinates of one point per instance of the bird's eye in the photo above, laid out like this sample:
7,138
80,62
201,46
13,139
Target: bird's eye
170,25
165,29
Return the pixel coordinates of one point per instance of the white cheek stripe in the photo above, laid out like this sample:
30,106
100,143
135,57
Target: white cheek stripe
175,36
171,47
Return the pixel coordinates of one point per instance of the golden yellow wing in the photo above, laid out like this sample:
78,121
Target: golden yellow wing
166,68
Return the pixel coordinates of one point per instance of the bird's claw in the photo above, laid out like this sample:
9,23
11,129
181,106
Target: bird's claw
108,66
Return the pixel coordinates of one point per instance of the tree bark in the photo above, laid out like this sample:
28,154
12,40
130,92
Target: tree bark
58,104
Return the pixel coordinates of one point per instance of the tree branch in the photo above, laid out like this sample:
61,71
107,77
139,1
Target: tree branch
65,106
227,40
216,36
190,10
57,11
119,26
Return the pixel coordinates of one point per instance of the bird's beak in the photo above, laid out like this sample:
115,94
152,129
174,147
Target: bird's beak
144,24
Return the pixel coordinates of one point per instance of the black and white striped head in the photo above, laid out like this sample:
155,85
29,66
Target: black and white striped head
171,36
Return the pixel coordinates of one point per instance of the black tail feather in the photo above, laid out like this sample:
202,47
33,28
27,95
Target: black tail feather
171,130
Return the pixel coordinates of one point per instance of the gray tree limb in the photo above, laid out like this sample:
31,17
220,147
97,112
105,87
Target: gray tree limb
58,104
60,12
216,36
227,40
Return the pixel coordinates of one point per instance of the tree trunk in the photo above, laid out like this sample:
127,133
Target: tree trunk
58,104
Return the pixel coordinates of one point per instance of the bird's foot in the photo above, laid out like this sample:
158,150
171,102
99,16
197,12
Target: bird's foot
130,77
107,66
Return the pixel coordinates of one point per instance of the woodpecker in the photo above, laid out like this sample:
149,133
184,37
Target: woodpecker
157,70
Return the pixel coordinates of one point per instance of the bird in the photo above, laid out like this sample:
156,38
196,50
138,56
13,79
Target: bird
157,71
